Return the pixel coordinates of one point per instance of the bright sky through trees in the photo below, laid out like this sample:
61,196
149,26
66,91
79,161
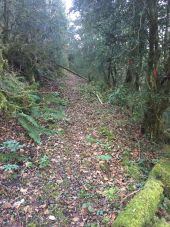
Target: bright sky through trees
68,4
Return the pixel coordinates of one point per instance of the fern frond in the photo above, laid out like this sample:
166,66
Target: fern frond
33,128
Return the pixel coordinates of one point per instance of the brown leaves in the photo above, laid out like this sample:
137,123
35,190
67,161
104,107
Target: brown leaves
6,205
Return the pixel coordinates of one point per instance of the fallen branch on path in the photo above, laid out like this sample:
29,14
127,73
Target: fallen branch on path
99,99
69,70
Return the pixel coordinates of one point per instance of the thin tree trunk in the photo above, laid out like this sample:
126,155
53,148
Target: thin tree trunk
6,21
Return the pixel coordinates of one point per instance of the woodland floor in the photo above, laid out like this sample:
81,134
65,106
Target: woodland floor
69,192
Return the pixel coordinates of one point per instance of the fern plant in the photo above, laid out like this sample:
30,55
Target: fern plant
11,145
47,114
44,161
3,102
33,128
54,98
9,167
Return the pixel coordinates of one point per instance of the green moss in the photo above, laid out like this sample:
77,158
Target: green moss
32,224
162,224
59,215
159,223
51,190
134,171
131,168
161,171
142,207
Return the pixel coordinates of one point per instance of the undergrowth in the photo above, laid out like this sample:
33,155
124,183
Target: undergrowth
23,101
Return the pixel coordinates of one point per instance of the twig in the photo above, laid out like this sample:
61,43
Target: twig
132,193
99,99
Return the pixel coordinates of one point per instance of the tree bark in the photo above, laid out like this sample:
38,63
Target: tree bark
6,21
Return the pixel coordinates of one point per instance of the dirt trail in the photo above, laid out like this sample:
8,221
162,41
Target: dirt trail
82,197
70,192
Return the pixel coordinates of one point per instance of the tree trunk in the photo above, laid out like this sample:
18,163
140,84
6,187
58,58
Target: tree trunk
6,21
154,108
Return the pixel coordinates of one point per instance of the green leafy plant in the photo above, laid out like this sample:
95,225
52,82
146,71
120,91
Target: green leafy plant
48,114
119,97
90,139
33,128
107,133
105,220
10,167
104,157
44,161
131,167
54,98
106,146
83,194
11,145
89,206
29,164
111,193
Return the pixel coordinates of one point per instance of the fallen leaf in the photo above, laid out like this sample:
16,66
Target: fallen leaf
52,218
6,205
23,190
113,217
76,219
18,203
46,211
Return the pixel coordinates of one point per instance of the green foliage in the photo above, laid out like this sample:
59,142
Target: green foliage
54,98
16,96
48,114
162,171
11,145
105,220
106,146
9,157
90,139
134,101
29,164
3,102
119,97
83,194
132,168
44,161
10,167
111,193
105,157
89,206
33,128
134,171
107,133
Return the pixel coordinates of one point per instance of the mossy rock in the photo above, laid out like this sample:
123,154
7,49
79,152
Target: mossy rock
141,209
161,171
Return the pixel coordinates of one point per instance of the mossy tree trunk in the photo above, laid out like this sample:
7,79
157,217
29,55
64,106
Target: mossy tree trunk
152,122
158,100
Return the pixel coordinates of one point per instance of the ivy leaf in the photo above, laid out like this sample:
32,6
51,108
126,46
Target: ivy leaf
104,157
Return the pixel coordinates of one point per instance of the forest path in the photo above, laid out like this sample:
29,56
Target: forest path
69,190
92,130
